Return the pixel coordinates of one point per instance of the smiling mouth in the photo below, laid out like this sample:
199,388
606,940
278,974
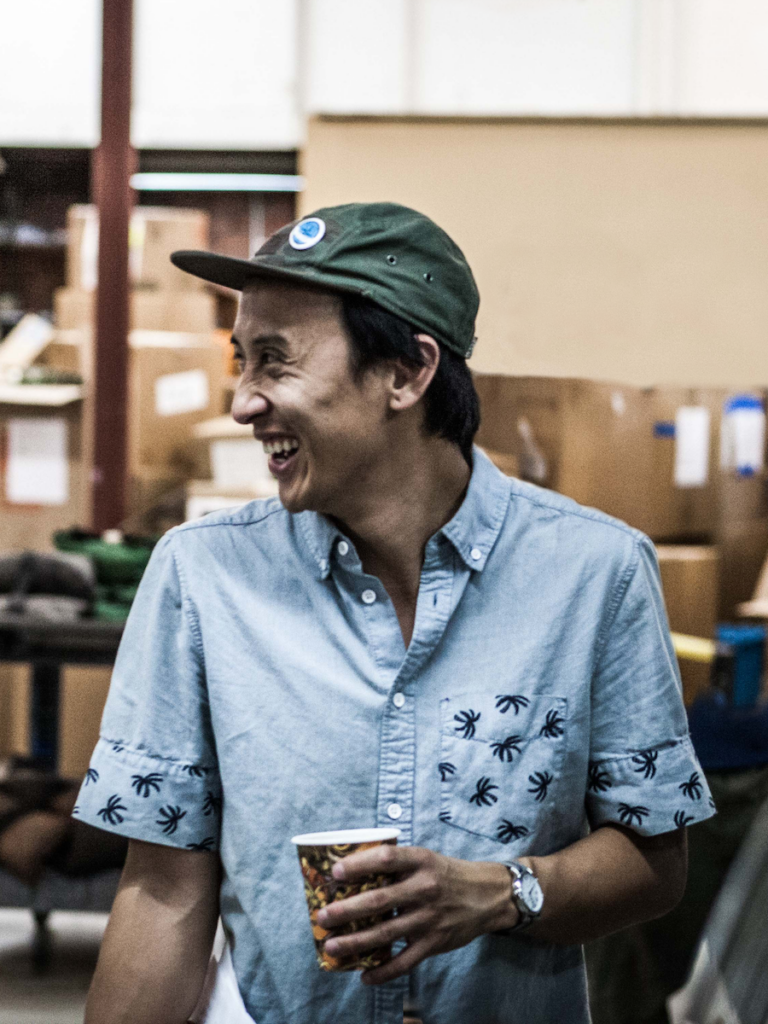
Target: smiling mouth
280,450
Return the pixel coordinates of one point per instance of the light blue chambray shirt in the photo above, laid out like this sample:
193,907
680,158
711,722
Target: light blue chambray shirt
539,695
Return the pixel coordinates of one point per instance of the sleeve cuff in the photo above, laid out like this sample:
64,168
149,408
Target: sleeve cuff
140,796
650,791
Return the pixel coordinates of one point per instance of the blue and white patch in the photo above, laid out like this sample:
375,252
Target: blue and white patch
307,233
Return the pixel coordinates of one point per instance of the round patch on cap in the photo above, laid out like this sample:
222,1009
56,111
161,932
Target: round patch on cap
307,233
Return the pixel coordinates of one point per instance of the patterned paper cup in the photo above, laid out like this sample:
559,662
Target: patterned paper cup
318,852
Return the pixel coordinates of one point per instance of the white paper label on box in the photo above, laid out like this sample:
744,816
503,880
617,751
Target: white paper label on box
37,470
691,446
742,440
176,393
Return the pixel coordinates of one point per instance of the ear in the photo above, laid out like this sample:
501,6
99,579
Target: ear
409,383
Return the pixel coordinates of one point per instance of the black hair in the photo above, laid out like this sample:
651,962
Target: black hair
451,405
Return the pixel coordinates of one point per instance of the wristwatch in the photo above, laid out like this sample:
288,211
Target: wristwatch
526,896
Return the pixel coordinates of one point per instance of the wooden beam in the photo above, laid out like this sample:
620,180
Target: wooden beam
114,162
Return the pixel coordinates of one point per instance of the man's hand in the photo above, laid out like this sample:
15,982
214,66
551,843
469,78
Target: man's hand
442,903
605,882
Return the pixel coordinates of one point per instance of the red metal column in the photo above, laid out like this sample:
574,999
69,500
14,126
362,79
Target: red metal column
114,162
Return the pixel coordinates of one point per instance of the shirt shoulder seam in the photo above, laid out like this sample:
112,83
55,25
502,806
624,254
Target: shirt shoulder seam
579,513
254,521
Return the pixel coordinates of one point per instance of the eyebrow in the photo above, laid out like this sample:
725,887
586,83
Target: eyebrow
262,339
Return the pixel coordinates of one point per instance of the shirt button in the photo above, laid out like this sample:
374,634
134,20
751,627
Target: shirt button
342,547
398,700
475,554
368,596
394,811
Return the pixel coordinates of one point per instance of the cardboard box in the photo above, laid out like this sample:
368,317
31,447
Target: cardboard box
15,688
176,380
228,454
84,691
204,496
150,310
690,581
44,465
605,445
155,232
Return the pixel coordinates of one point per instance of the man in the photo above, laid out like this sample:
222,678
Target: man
407,638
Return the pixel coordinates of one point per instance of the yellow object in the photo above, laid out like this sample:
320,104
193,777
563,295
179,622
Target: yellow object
693,648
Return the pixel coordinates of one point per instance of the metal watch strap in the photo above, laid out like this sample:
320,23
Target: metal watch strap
526,918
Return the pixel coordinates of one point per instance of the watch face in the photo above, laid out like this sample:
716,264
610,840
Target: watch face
530,890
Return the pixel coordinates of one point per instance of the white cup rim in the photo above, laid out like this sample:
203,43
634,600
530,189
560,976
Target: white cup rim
341,837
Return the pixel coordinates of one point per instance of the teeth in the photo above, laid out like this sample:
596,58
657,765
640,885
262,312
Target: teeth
283,444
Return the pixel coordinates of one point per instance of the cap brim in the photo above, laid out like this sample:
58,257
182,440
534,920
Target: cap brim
230,271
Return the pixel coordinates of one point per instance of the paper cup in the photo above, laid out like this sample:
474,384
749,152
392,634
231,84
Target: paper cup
318,852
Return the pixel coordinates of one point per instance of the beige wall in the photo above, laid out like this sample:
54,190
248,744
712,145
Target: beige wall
634,251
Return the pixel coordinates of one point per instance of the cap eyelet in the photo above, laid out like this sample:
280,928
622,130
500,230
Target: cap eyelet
428,277
391,260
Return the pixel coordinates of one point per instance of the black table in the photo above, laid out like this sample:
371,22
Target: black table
47,646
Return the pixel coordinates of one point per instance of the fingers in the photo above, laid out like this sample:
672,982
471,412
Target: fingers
401,964
379,860
404,926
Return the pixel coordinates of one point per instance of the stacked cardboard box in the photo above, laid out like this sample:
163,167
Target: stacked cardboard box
621,449
690,580
227,466
44,480
175,381
163,298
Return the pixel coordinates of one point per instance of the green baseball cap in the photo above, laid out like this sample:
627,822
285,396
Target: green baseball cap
394,256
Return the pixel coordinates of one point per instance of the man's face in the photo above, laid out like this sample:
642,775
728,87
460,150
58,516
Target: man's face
323,430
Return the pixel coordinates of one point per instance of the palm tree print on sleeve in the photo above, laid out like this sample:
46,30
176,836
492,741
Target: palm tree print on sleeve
169,819
632,815
206,844
145,784
212,804
483,795
508,831
598,779
540,783
553,725
466,720
444,816
91,776
195,770
504,749
692,788
682,819
505,701
110,814
446,769
646,760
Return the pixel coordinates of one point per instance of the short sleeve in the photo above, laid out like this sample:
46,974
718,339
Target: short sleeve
154,774
643,771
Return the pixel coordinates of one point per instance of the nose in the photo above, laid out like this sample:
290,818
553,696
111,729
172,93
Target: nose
248,404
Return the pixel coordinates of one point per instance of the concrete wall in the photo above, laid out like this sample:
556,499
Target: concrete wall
634,251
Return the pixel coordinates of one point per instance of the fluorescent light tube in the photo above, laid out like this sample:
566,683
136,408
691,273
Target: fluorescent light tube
161,181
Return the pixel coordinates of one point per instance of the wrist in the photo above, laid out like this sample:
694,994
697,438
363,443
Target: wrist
503,913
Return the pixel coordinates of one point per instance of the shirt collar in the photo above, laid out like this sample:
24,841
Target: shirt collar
472,531
476,525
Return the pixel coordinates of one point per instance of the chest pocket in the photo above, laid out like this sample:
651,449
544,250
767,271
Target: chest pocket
500,762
